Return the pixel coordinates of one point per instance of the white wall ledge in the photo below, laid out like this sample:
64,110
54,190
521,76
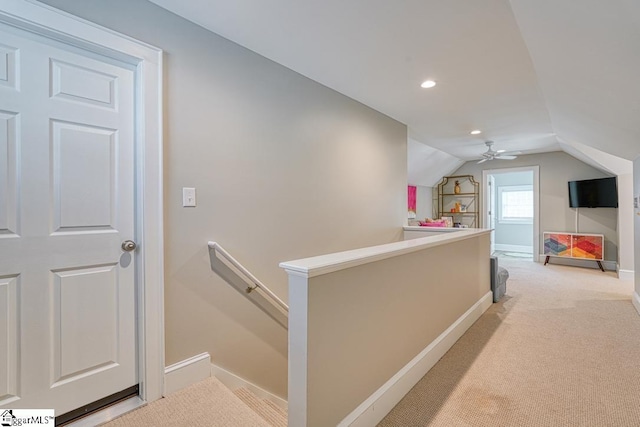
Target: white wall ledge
325,264
437,229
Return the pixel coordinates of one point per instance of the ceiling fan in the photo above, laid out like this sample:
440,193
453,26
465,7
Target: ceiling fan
491,154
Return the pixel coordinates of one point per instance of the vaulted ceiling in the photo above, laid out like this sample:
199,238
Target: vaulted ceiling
533,75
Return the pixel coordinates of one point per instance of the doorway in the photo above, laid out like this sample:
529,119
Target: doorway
80,157
511,203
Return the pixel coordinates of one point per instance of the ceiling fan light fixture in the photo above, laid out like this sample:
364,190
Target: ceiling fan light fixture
427,84
492,154
475,132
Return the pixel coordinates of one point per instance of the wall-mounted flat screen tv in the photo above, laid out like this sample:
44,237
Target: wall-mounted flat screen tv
593,193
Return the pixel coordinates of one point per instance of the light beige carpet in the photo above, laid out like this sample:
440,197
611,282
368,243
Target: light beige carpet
205,404
561,349
267,410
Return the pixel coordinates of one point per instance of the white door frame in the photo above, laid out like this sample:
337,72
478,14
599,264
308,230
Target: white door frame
147,61
491,207
536,200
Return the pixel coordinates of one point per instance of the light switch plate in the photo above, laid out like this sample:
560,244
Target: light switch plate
188,197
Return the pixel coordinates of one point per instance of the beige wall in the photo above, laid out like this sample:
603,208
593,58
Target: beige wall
636,223
284,168
625,225
424,202
357,327
556,169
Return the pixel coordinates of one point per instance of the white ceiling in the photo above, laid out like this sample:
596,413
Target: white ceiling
534,75
427,165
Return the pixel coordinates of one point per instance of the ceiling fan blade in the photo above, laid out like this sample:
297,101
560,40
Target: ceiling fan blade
506,157
482,161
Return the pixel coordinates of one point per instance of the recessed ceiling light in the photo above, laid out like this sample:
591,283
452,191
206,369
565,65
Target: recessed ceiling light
428,84
475,132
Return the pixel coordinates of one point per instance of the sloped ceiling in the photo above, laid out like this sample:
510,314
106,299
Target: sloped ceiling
525,72
598,159
587,58
427,165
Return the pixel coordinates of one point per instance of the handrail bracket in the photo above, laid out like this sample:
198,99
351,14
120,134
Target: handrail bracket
235,274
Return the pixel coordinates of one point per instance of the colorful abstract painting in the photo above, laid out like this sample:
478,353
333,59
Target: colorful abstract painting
411,197
589,247
557,244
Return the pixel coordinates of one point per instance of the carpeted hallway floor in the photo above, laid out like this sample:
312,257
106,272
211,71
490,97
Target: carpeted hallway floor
561,349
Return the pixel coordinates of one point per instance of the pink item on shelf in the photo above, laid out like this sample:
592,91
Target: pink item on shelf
433,224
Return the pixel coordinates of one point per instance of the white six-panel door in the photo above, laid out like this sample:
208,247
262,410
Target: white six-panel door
67,288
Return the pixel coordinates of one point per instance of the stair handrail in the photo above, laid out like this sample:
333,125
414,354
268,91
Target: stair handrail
257,283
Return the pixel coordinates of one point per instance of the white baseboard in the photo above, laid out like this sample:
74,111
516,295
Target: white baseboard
635,299
234,382
374,409
576,262
626,274
187,372
513,248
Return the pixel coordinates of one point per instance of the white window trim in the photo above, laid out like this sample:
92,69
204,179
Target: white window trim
509,188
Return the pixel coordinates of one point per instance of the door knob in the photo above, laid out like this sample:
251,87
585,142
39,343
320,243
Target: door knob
129,245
